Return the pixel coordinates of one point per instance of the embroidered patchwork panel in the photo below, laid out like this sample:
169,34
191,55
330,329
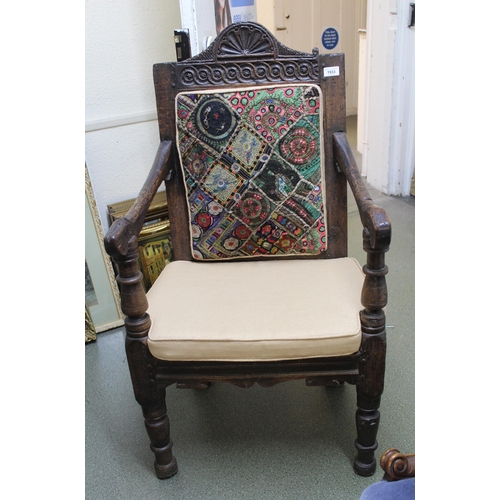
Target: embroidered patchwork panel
253,168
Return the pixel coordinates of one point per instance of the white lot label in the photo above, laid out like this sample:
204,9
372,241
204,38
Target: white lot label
331,71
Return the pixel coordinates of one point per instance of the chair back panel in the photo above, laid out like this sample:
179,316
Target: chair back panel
246,162
253,170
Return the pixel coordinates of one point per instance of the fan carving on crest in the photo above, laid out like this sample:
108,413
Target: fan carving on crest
245,40
247,53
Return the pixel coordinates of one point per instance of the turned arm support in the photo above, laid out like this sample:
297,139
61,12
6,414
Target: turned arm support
128,227
374,218
121,243
376,240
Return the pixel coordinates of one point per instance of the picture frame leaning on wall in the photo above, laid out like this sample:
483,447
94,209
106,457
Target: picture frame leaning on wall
154,241
102,297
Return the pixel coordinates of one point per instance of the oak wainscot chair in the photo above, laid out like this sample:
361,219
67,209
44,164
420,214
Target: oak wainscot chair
255,159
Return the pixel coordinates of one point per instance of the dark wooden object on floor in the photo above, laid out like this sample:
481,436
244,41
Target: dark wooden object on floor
397,465
245,55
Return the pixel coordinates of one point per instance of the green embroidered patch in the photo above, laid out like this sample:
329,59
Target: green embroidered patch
253,169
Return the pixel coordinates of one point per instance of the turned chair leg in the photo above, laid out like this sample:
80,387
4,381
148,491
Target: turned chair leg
367,422
141,363
152,400
370,384
158,428
369,389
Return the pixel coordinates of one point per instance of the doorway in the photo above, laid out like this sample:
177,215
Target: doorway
329,25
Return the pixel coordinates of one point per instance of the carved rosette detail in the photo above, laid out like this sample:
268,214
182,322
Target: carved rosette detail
251,73
251,55
245,40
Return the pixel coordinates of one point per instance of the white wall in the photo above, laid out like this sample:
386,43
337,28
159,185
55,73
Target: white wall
198,16
123,41
389,128
402,133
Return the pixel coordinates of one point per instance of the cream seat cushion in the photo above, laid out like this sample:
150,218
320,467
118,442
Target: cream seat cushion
256,310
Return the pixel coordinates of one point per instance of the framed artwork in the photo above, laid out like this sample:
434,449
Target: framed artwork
155,251
90,333
102,298
155,246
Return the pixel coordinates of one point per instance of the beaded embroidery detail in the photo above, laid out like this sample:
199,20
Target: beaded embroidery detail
253,169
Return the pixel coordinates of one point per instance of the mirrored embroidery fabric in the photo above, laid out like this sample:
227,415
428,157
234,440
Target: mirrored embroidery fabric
253,169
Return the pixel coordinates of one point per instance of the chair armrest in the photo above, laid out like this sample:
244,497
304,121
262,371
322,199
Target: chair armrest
123,230
397,465
374,218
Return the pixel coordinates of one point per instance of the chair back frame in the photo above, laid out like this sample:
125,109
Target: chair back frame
246,55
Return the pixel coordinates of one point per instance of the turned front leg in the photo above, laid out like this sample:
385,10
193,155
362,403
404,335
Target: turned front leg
372,360
158,428
142,364
369,390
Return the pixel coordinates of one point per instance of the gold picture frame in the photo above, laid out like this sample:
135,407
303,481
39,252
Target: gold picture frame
155,250
155,246
102,297
90,333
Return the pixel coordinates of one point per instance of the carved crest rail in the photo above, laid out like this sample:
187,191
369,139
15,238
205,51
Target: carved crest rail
257,57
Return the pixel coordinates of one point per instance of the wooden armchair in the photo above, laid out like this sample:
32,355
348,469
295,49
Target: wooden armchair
255,159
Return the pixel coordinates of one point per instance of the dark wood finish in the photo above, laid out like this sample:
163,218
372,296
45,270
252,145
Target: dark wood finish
121,243
397,465
246,54
233,60
166,88
333,90
376,239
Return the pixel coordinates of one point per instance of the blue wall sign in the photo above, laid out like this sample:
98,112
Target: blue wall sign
330,38
242,3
